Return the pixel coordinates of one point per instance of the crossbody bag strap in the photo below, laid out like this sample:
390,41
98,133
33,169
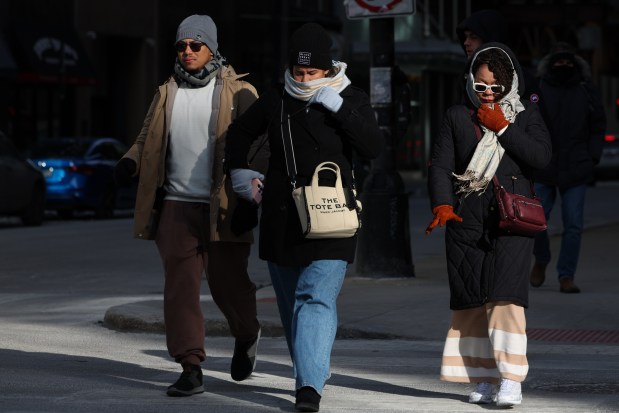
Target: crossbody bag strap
291,164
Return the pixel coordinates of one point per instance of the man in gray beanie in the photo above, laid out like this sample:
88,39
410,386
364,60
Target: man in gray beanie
198,28
185,202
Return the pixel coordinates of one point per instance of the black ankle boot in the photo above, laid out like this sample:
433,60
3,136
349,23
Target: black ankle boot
308,400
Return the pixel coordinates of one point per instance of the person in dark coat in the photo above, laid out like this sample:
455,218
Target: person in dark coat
326,118
572,109
489,25
495,132
481,27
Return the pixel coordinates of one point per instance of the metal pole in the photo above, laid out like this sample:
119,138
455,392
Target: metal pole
383,248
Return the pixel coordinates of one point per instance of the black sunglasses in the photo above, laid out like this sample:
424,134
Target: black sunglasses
194,46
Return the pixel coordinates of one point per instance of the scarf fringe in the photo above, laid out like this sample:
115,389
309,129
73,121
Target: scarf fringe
468,183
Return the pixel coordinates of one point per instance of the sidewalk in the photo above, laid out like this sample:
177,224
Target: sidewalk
399,326
418,308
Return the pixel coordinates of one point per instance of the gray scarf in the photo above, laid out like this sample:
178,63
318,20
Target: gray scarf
201,78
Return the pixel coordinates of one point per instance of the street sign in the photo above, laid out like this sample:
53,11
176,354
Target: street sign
380,81
360,9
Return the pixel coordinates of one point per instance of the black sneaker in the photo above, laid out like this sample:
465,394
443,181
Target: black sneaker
308,400
188,384
244,358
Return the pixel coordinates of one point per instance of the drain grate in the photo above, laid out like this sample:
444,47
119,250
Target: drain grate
579,336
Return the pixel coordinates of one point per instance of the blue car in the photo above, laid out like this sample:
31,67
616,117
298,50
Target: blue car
79,172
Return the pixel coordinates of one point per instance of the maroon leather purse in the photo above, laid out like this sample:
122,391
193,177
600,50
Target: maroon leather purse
519,214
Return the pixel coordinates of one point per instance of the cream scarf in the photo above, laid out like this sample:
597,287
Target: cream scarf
305,90
489,151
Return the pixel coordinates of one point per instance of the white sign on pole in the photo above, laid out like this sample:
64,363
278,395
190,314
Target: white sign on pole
380,89
359,9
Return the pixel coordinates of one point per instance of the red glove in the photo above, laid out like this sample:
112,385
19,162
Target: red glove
442,214
492,118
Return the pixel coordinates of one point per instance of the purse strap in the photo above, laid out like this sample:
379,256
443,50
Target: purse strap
291,165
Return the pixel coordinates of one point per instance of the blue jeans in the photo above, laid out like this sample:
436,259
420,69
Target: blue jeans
572,214
306,297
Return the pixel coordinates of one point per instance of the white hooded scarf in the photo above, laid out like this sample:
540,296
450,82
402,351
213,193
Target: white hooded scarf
488,153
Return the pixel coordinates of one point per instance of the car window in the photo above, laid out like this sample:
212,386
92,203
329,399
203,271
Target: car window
106,151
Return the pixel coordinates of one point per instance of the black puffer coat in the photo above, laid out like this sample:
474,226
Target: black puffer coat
318,136
483,263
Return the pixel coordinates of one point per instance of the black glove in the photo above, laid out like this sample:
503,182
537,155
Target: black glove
124,171
244,217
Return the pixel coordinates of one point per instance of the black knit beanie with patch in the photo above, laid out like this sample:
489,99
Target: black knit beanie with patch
310,46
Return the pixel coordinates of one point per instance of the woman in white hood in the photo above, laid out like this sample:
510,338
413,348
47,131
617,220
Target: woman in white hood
494,133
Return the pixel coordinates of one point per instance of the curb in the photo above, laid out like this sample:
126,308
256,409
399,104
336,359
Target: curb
147,317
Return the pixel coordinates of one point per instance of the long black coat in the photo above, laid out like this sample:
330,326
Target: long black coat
318,136
575,118
484,264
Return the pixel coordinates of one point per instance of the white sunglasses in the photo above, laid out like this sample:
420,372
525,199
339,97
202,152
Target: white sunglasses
482,87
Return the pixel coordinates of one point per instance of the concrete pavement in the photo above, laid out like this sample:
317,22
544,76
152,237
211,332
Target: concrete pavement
576,334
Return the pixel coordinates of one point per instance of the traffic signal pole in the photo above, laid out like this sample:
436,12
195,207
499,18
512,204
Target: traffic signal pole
383,247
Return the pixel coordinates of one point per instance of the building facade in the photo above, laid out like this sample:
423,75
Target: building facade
71,67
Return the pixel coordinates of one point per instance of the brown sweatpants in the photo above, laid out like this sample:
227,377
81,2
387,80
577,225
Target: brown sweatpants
186,252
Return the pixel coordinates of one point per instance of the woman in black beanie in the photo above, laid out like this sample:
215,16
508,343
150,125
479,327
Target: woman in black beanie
325,119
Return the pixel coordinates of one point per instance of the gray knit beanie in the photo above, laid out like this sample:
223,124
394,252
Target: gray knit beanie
199,28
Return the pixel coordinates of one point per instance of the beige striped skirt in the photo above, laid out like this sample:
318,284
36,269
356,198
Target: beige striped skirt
486,344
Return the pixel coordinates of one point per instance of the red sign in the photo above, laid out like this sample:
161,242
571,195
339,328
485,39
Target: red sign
378,8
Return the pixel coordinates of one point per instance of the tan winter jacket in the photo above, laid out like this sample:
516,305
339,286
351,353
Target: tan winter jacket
231,98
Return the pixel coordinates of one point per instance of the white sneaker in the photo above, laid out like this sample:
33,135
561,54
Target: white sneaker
510,393
483,394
